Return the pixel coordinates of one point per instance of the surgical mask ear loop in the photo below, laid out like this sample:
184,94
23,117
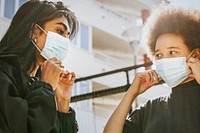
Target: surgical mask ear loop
36,46
41,28
34,42
193,54
190,55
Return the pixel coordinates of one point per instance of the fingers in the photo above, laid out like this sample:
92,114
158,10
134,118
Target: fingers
194,54
64,74
53,59
193,60
194,68
57,62
73,76
52,67
153,77
68,76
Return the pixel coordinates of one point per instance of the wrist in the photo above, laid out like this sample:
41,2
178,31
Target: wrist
134,88
37,84
63,105
132,93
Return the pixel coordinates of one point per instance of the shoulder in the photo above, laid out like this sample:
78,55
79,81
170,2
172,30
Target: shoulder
155,96
11,74
151,106
154,104
9,67
9,60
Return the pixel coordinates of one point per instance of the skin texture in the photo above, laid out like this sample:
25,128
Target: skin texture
167,46
52,70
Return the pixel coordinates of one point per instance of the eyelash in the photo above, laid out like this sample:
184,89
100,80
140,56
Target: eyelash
173,52
68,33
61,32
160,55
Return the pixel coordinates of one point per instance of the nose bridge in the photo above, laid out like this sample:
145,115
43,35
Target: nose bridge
165,54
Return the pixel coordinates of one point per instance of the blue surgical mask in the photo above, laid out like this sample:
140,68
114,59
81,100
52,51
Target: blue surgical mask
172,70
55,46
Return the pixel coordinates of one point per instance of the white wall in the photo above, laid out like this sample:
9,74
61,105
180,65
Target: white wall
92,13
186,3
4,23
85,120
86,64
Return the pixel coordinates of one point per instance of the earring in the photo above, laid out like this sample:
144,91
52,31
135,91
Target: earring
35,40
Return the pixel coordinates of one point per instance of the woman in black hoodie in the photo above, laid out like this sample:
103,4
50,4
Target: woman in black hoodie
35,89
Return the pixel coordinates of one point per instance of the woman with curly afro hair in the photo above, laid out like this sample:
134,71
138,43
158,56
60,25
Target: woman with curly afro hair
173,37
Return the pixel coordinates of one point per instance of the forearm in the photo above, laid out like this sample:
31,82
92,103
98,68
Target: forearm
116,122
41,103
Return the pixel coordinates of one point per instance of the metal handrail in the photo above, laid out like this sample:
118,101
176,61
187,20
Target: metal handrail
108,91
114,71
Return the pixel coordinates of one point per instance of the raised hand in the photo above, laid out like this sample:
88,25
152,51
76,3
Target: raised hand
50,72
64,90
194,67
143,81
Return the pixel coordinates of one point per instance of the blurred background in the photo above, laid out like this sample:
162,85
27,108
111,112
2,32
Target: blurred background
106,53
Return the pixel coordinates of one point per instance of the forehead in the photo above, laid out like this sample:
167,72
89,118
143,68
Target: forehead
58,21
170,40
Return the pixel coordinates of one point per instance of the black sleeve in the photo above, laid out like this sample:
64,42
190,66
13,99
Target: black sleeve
68,123
136,121
34,114
41,108
132,124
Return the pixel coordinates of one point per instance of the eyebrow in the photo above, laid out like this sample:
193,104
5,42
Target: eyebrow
167,48
65,26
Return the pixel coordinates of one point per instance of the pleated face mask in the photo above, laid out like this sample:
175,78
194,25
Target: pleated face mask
172,70
55,46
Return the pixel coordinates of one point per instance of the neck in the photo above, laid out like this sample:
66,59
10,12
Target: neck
187,80
32,74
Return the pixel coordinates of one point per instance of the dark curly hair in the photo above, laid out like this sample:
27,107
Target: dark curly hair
181,21
17,40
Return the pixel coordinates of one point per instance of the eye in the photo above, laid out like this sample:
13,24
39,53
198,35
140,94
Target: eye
68,33
61,32
157,56
172,52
